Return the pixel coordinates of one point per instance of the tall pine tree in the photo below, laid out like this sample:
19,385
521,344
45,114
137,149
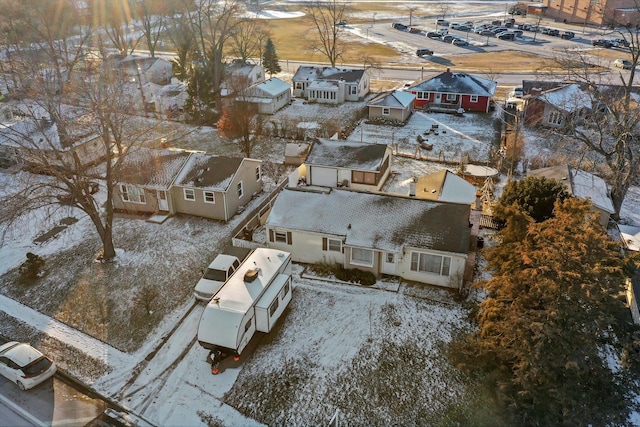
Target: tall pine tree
548,316
270,58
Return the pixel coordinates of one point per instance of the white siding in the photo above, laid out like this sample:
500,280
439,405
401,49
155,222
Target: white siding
307,247
454,280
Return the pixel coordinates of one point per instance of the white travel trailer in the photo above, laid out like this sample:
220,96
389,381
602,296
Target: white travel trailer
251,300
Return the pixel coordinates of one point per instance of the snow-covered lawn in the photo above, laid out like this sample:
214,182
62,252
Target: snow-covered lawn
374,354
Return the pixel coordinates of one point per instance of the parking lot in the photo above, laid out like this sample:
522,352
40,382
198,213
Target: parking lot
477,34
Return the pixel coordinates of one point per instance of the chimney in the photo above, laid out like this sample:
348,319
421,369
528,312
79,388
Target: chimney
412,187
448,70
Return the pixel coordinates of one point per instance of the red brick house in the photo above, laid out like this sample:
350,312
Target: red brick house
452,91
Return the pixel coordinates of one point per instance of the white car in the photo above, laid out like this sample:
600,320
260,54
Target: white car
24,365
623,63
216,275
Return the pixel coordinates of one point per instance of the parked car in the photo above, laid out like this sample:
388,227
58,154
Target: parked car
24,365
567,35
423,52
554,32
464,28
602,43
455,25
215,276
399,26
434,35
506,36
448,38
442,22
623,63
415,30
486,33
459,42
517,33
621,43
517,92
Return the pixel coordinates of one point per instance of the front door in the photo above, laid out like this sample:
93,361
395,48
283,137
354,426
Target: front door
163,204
438,98
389,263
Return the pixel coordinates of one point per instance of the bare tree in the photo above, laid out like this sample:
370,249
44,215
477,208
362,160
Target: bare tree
213,23
52,136
600,124
248,38
115,18
183,40
240,116
327,35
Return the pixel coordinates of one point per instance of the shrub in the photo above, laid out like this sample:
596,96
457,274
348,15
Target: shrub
365,278
32,268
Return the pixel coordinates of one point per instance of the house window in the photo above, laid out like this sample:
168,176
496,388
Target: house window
299,85
258,173
333,245
189,194
473,98
240,191
422,95
428,263
451,97
353,90
385,111
359,177
209,197
391,258
555,118
362,257
133,194
280,236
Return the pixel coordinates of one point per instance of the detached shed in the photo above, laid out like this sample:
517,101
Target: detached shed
396,105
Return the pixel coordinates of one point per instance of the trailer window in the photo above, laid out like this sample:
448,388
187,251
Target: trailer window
247,326
284,291
274,307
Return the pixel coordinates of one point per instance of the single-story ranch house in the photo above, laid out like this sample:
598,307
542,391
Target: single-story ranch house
419,240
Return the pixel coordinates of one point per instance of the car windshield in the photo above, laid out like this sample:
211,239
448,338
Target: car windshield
37,367
213,274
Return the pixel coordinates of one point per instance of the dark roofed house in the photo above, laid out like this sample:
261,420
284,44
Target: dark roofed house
329,85
451,91
171,182
145,180
216,187
396,105
420,240
348,164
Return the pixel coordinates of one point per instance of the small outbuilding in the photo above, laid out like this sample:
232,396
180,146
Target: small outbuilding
396,105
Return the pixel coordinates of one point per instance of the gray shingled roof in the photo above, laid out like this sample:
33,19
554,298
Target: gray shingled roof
376,221
209,172
460,83
151,168
395,99
347,154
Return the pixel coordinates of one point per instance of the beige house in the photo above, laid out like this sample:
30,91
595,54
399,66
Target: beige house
329,85
216,187
145,179
269,95
200,184
396,105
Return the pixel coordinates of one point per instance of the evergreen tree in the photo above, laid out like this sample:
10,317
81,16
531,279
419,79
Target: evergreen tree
534,195
548,316
270,59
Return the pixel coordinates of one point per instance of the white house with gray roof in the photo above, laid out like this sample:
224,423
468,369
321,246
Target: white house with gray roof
330,85
395,105
362,166
269,95
419,240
